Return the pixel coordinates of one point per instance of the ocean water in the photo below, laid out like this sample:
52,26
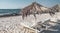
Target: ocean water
9,11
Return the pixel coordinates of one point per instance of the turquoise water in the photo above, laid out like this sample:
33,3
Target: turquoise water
10,11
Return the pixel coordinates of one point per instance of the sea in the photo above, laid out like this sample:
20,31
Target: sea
9,11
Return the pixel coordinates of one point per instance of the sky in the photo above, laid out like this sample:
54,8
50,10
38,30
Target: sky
17,4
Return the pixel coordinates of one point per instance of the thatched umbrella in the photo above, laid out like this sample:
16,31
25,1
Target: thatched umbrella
31,9
34,9
56,8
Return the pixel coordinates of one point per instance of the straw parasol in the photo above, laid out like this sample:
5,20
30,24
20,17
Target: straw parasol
56,8
31,9
34,9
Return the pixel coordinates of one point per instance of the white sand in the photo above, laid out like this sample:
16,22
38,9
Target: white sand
10,24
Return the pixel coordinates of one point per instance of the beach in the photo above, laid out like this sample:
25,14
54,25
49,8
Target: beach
11,24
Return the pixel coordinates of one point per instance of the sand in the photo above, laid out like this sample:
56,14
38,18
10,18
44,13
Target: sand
11,24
